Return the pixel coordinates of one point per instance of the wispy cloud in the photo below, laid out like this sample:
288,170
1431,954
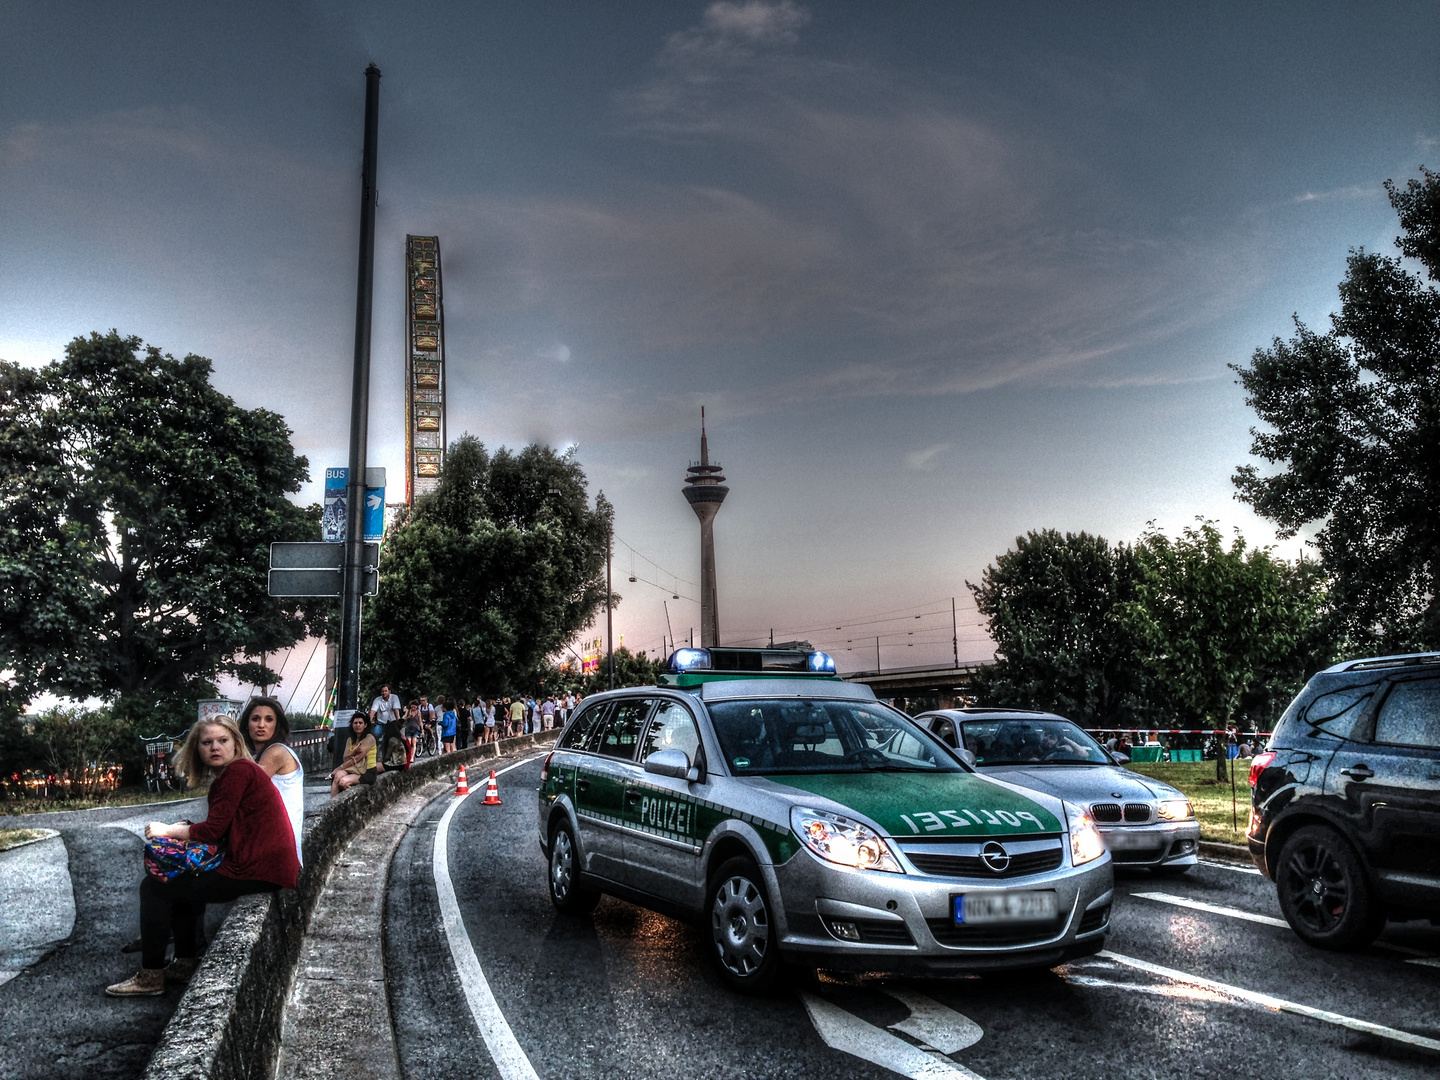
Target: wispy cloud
1354,191
926,460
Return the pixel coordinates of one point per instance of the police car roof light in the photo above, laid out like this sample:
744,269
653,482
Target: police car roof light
820,661
689,660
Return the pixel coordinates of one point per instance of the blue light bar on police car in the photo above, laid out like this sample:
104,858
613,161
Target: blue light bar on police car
689,660
820,661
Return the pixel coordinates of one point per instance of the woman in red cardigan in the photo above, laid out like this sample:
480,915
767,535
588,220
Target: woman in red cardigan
247,821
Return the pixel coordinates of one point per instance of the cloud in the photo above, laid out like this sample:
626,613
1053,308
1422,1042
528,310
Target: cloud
1354,191
925,460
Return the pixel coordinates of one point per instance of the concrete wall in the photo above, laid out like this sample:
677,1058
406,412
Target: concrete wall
227,1026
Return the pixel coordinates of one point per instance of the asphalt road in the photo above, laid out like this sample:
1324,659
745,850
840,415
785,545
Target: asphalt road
1184,992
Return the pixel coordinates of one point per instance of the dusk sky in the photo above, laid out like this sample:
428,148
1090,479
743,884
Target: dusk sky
941,273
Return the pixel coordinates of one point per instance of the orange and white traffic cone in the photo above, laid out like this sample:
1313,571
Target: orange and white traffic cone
463,788
492,791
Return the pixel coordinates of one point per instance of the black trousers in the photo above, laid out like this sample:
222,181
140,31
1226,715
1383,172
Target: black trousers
178,905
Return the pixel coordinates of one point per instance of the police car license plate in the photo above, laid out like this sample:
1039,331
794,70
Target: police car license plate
975,909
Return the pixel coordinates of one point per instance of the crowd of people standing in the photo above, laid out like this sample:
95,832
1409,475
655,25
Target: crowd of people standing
394,732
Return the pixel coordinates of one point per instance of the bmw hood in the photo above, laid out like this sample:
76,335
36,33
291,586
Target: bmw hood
1085,784
928,804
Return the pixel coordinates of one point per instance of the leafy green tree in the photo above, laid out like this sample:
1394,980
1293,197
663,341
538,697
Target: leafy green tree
75,742
136,512
631,669
489,575
1353,422
1213,620
1052,607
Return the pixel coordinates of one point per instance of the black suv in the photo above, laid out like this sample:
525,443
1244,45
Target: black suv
1345,803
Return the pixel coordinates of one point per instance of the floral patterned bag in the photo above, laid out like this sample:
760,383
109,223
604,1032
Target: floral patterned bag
166,858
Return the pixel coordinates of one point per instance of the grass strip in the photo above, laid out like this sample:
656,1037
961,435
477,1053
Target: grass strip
1210,798
122,797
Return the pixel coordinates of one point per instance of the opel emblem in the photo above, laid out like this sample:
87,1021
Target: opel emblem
995,857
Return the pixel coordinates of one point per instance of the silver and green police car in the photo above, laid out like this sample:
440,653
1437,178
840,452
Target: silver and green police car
799,819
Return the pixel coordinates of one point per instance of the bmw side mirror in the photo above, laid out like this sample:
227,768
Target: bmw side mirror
673,763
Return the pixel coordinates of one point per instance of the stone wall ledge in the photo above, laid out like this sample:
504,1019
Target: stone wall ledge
227,1025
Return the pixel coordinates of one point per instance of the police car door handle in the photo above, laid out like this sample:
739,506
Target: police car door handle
632,796
582,785
1358,772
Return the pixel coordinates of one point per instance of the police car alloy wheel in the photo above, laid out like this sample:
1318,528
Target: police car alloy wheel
740,927
565,893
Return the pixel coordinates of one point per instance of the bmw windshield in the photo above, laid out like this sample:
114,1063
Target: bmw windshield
1030,742
762,737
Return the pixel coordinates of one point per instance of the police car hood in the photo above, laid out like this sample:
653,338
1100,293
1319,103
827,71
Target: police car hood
1084,784
928,804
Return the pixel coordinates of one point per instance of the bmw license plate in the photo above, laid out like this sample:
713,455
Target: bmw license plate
1005,907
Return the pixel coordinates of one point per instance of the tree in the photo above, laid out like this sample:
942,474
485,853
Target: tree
136,512
1052,607
1212,620
75,742
1354,423
489,575
631,669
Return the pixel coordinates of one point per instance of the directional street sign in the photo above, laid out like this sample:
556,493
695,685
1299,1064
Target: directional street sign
316,569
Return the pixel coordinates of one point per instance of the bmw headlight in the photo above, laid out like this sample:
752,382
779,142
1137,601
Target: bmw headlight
1174,810
839,840
1086,844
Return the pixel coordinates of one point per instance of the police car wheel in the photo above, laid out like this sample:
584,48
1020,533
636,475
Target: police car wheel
742,931
566,892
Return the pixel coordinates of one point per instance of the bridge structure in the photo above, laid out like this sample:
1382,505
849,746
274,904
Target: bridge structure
919,688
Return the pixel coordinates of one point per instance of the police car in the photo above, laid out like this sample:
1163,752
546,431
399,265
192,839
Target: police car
799,819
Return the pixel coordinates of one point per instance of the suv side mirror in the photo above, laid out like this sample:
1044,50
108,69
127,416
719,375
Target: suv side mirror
673,763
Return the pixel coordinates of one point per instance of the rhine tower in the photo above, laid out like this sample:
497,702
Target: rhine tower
705,491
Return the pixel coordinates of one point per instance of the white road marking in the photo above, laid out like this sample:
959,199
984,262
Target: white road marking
1427,961
1213,909
510,1060
1231,866
932,1023
849,1034
1271,1002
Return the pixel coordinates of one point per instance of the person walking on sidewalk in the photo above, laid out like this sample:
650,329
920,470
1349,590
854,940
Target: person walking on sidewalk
247,820
448,722
411,731
383,709
517,716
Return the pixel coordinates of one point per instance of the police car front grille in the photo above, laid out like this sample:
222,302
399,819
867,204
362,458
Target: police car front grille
1094,919
948,933
1028,862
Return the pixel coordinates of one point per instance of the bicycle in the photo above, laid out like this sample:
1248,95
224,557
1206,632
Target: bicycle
429,742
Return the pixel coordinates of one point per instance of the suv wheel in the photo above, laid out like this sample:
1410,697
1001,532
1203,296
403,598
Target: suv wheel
1323,890
741,929
566,892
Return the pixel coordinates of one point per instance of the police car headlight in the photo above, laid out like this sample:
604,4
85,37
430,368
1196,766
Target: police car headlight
1174,810
1086,844
839,840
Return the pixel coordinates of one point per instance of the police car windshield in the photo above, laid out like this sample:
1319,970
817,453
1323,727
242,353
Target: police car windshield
1030,742
790,736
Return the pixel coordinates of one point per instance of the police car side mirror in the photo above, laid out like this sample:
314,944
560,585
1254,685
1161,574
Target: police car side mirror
674,763
967,756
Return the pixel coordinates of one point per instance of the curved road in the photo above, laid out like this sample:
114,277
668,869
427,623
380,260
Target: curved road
1197,981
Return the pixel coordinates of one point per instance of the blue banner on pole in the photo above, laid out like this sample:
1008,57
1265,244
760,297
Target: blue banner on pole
332,518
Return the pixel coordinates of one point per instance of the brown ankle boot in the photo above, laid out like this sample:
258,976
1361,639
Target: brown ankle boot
148,982
180,969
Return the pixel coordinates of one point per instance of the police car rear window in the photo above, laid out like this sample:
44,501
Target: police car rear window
806,736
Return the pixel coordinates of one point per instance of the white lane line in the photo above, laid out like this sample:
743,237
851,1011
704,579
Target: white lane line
932,1023
1213,909
1271,1002
509,1059
846,1032
1426,961
1231,866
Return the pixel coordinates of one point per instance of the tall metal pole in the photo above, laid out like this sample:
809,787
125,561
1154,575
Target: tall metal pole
609,623
954,632
353,583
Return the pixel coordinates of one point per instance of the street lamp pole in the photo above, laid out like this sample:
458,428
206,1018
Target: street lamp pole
347,694
609,623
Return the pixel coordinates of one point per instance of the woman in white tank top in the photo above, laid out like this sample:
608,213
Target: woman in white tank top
267,731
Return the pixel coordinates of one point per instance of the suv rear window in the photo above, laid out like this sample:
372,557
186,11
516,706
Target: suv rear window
1338,712
1411,715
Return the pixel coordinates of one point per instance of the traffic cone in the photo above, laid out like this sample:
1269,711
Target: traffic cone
492,792
463,788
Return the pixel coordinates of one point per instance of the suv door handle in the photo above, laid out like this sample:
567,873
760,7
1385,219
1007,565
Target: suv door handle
1358,772
582,785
